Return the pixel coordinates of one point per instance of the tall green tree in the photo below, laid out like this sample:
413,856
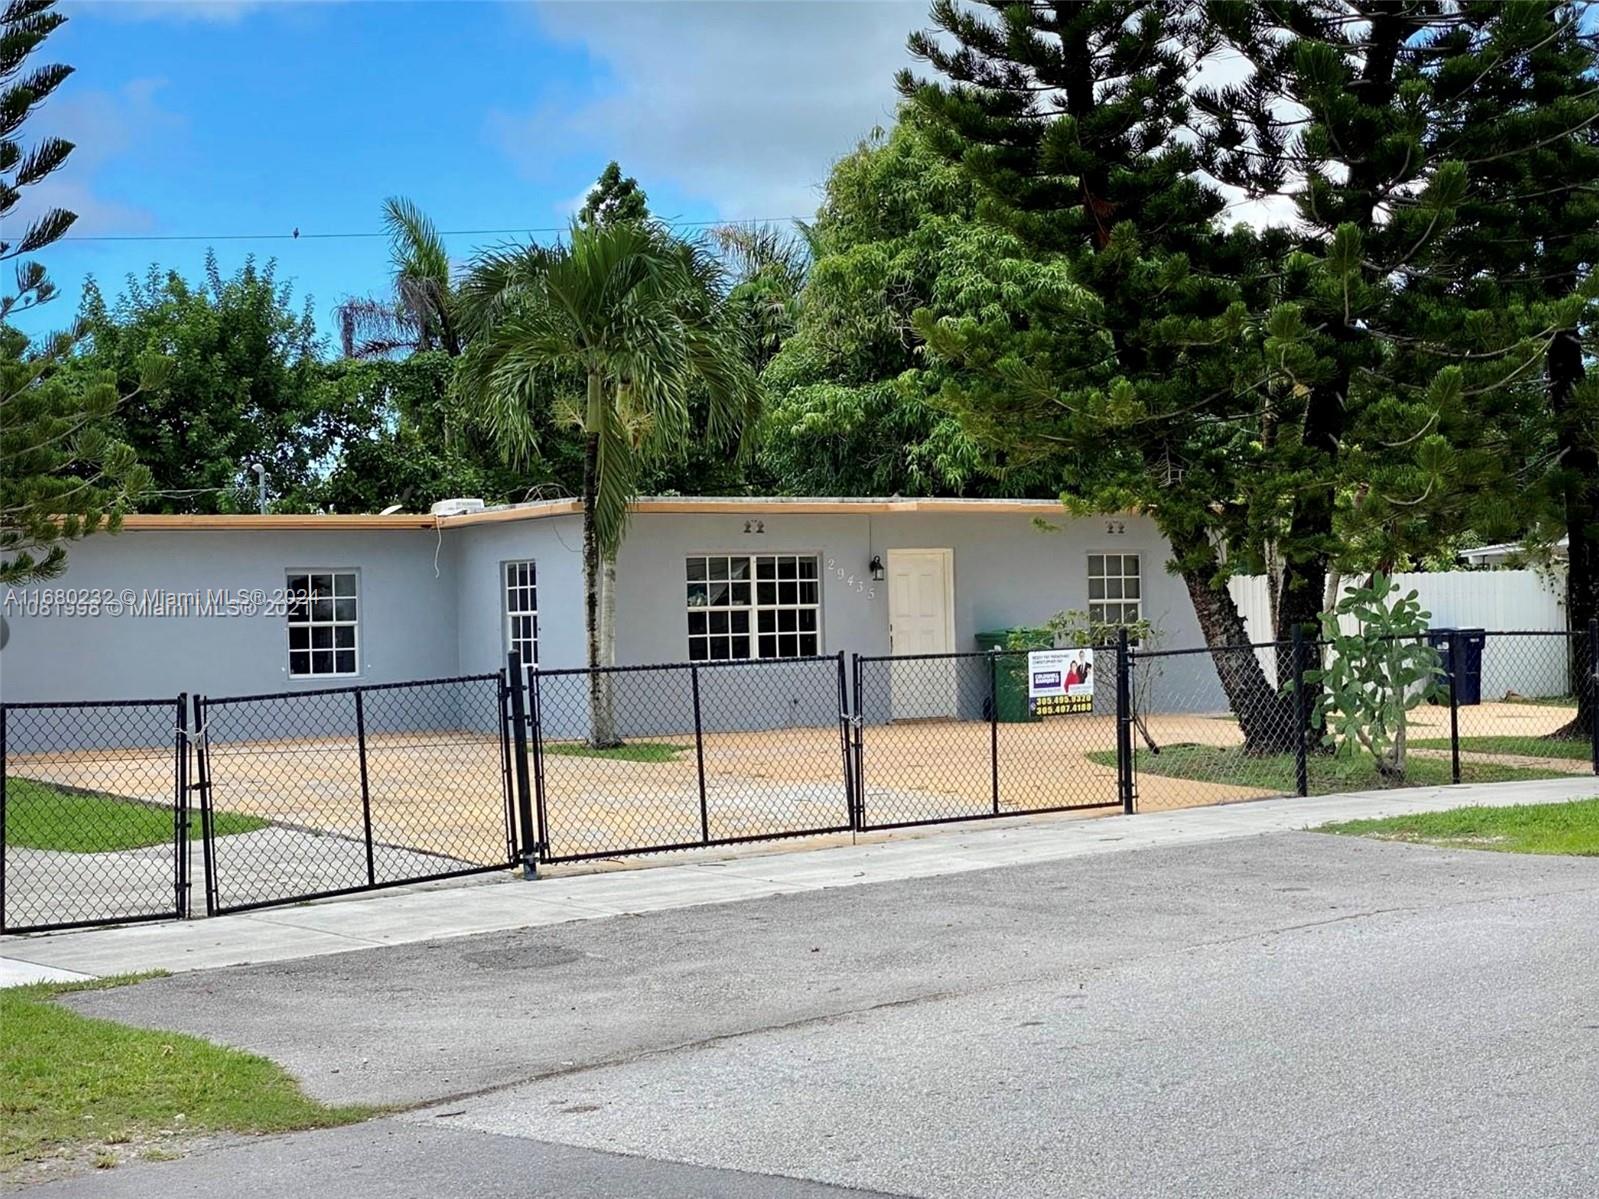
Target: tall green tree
63,473
768,268
615,199
420,315
1131,373
241,387
854,402
404,437
1519,81
1371,447
639,317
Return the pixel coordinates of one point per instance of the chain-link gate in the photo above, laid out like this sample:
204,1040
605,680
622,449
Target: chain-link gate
94,814
308,794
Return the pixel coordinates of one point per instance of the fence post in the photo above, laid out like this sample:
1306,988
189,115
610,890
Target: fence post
699,753
541,831
993,725
858,720
180,810
1454,706
1593,690
843,742
1301,717
366,795
527,839
1124,721
202,788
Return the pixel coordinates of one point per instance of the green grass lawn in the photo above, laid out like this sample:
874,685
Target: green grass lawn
96,1091
1526,746
1568,828
633,751
1328,775
39,816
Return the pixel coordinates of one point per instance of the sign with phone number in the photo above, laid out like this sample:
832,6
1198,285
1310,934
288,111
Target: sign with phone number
1060,682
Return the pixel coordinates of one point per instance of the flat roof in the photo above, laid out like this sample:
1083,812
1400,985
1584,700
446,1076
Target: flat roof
543,509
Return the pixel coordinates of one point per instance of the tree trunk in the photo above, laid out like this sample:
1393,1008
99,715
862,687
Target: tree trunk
1578,442
1265,716
606,723
602,728
1305,557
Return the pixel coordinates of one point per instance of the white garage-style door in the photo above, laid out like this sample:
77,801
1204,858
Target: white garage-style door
921,620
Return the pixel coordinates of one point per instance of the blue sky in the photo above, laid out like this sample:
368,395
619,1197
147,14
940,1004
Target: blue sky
199,120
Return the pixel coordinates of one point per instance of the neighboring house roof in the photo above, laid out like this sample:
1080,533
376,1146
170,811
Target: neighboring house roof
541,509
1508,549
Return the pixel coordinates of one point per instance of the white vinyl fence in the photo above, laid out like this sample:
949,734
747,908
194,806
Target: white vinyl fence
1496,600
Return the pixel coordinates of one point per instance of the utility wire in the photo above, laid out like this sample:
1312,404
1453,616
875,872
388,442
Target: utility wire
298,236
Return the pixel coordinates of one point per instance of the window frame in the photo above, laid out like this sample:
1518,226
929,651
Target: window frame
754,608
1121,577
311,624
508,636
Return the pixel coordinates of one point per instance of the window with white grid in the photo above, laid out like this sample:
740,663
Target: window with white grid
522,613
753,606
323,624
1115,591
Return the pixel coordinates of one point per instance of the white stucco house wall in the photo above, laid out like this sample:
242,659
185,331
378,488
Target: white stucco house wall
404,597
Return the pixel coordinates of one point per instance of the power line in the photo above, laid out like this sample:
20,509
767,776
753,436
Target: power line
298,236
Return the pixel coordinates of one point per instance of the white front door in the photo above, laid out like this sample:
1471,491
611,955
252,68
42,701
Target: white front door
921,620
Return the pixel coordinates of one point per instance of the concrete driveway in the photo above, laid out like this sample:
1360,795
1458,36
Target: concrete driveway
1280,1015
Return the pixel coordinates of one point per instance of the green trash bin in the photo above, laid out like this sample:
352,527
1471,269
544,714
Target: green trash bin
1010,671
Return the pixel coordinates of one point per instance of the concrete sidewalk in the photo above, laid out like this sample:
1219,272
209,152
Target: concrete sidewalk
337,926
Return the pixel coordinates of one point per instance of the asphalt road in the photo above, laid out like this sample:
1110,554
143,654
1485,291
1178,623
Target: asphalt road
1276,1016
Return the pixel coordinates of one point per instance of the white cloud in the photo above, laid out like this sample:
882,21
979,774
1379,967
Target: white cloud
745,105
101,125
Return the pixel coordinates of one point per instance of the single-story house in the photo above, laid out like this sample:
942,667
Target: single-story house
1508,552
194,603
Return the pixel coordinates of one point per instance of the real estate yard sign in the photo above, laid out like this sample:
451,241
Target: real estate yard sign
1060,681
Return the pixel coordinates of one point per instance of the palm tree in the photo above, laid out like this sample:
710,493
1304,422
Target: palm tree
422,313
769,268
638,319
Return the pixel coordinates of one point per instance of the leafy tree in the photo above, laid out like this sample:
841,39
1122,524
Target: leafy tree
62,472
639,317
241,388
769,269
1519,84
403,438
1374,403
855,405
421,315
614,199
1126,367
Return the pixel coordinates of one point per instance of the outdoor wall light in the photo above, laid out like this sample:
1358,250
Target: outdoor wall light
876,567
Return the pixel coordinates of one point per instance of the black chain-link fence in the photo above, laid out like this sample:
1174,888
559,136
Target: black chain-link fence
323,792
1214,726
326,792
93,817
638,759
945,737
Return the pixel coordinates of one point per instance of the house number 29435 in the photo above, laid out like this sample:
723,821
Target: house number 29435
853,582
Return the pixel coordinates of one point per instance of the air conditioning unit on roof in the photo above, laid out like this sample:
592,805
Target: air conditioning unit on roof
457,507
